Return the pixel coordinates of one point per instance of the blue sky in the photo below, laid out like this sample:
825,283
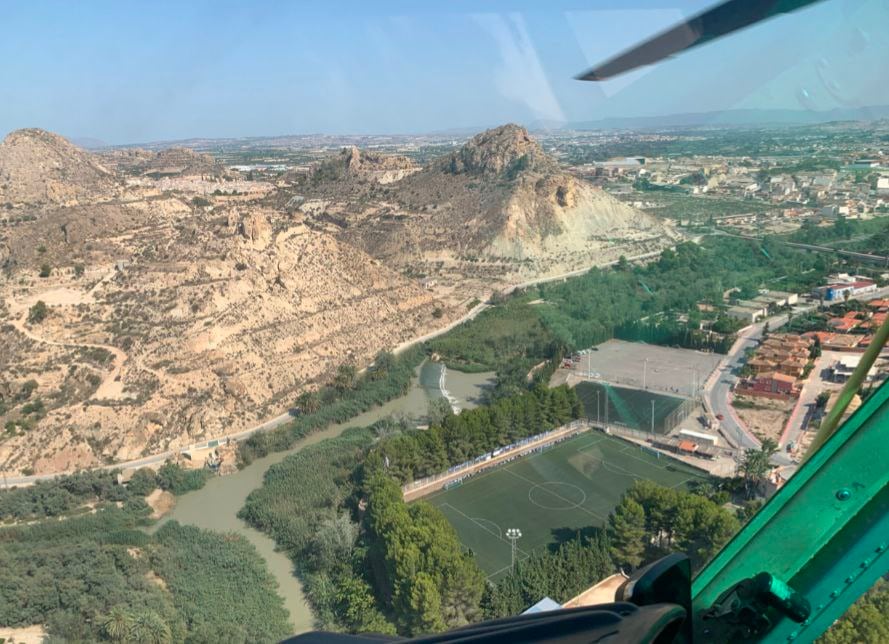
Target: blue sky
143,71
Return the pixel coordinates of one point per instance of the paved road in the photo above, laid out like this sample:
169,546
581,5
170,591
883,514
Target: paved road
718,391
9,481
813,386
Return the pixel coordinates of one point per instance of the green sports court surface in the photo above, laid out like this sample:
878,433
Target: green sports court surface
570,486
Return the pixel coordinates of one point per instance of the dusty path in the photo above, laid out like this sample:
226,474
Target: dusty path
111,387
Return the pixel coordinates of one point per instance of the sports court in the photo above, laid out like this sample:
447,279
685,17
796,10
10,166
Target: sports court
570,486
648,366
645,411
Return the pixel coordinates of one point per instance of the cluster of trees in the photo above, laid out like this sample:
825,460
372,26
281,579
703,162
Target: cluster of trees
811,233
88,578
38,312
415,454
866,621
651,521
561,574
403,568
418,564
346,397
66,494
755,466
219,585
510,335
599,301
670,332
303,491
604,303
306,504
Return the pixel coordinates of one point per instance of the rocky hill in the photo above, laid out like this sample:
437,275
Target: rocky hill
173,314
170,162
499,208
152,312
353,170
38,168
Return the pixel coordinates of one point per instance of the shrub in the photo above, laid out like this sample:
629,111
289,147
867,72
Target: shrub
143,482
38,312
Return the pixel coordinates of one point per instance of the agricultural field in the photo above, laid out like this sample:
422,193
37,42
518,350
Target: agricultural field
551,495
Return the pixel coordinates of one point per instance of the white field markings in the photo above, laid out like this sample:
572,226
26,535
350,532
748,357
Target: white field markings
490,532
493,523
684,481
555,494
626,450
497,468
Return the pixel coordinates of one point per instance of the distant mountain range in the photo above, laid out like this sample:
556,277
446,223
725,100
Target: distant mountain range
722,118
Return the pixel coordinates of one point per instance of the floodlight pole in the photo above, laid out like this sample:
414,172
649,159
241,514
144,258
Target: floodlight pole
513,534
652,416
644,372
598,419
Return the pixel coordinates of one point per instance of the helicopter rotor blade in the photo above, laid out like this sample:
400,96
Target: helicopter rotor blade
723,19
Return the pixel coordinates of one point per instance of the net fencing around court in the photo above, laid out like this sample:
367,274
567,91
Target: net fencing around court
636,409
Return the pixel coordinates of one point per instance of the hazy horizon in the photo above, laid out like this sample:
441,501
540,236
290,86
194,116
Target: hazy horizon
124,74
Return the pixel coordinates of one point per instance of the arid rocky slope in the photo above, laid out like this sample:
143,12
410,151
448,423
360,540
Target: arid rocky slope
38,168
175,161
170,320
498,209
353,168
151,300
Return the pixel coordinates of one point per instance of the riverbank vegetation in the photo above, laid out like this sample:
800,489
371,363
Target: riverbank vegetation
347,396
81,491
371,562
336,509
99,577
418,565
308,504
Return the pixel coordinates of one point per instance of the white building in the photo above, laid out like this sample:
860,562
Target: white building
842,369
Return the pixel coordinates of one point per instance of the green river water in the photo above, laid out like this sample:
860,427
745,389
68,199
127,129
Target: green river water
216,505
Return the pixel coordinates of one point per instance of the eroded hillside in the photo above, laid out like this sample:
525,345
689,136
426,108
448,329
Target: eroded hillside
38,168
164,319
157,299
498,210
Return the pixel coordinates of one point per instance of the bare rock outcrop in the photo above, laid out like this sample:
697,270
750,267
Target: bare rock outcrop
497,208
169,162
255,228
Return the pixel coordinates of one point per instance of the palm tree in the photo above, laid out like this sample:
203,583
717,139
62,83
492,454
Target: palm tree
309,402
149,628
117,624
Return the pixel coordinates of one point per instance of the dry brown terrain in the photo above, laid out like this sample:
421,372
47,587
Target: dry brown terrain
764,417
151,300
170,321
497,211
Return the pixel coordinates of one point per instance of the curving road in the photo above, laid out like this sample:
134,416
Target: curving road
718,391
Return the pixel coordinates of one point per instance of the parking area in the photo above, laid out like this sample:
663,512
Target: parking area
647,366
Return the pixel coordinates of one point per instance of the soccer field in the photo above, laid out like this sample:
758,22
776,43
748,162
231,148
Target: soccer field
556,492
